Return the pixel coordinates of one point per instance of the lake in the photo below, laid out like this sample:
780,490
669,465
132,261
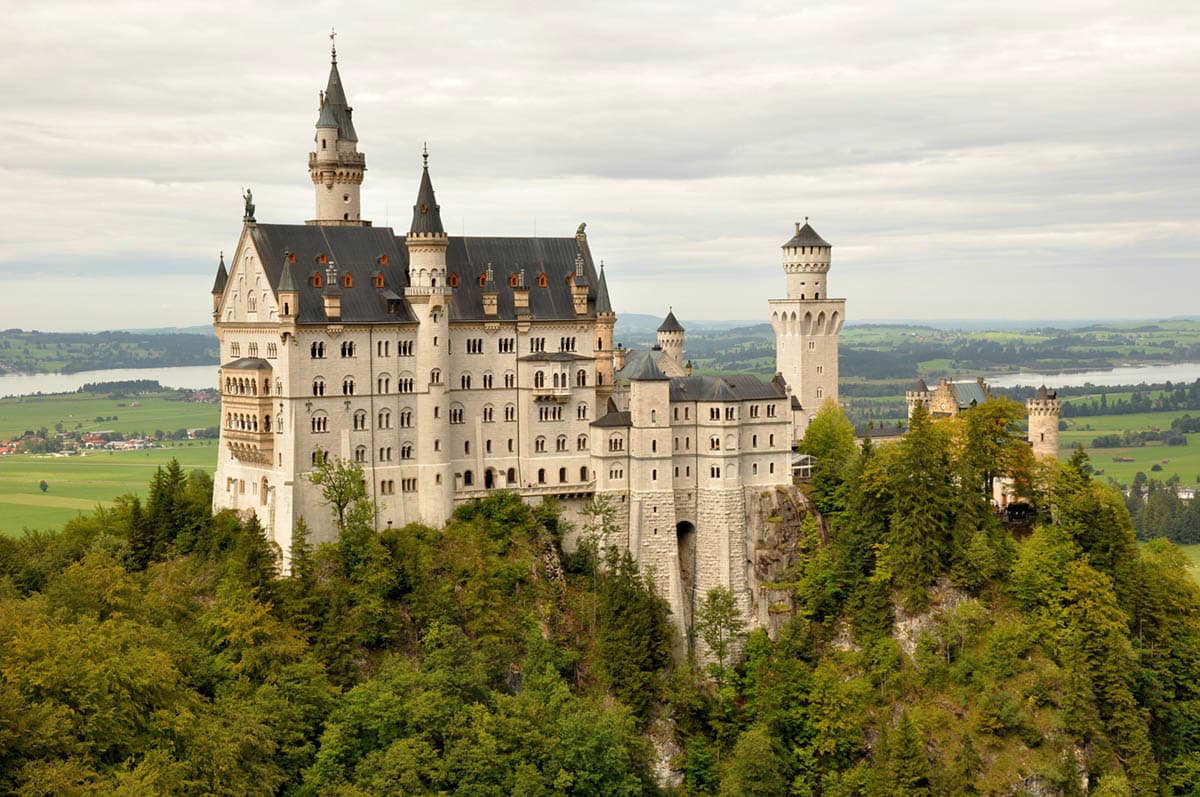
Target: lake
1125,375
187,376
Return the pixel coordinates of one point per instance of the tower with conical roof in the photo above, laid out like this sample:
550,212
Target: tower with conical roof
335,164
670,337
807,324
429,295
606,321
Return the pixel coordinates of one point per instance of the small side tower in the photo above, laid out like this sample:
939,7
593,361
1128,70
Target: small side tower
1044,411
428,294
919,393
807,324
670,337
606,320
218,289
336,166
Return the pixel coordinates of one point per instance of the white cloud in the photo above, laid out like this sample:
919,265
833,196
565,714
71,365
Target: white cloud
974,160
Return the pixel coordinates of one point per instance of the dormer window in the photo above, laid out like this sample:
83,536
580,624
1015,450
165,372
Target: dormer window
378,280
382,260
543,281
453,280
316,279
347,281
513,280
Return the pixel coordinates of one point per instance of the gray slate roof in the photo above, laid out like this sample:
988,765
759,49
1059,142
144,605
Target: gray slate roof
670,323
357,250
603,304
427,214
805,236
249,364
726,387
222,277
645,371
919,386
1045,393
335,111
554,357
614,418
968,394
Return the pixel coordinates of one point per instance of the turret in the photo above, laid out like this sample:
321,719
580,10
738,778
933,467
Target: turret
670,337
335,165
606,320
218,289
426,239
806,259
289,289
918,394
1044,411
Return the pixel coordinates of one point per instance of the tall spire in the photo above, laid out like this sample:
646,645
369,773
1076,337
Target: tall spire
222,276
427,214
335,109
603,304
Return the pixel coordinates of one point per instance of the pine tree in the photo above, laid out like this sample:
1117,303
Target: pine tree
142,539
908,771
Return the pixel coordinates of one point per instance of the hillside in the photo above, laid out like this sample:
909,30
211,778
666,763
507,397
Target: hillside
33,352
929,648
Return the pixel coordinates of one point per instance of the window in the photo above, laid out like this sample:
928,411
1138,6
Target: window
272,350
714,413
566,344
539,379
404,348
583,473
347,280
318,387
383,384
348,348
408,485
488,413
382,347
379,283
453,280
318,456
812,344
537,344
467,447
653,446
714,443
385,454
235,349
510,412
348,386
406,451
820,369
487,446
714,472
754,469
687,413
539,444
385,419
435,377
654,477
541,475
730,413
405,384
506,345
581,443
820,392
770,410
616,443
320,423
406,417
754,441
771,441
474,345
316,279
387,487
542,281
510,379
465,381
581,411
456,415
360,420
487,380
252,350
560,444
753,410
616,473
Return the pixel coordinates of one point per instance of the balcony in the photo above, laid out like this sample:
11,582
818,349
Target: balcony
551,393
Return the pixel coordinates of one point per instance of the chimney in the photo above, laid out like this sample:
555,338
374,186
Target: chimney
490,295
521,294
333,294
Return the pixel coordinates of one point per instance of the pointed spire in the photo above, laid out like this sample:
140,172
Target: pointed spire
603,304
335,110
222,276
427,214
287,280
670,323
805,236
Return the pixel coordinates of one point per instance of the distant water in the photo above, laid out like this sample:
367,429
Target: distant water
186,376
1125,375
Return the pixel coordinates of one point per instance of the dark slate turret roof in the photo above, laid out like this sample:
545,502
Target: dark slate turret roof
670,323
1045,393
359,252
603,304
222,277
614,418
427,216
287,279
805,236
335,111
646,371
919,386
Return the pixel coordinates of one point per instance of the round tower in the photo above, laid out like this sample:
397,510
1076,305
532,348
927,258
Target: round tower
1044,411
670,337
335,164
919,393
806,259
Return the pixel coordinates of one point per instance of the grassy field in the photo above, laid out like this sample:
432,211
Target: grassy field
80,410
79,484
1183,461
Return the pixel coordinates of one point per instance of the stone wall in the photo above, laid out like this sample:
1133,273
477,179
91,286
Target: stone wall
774,519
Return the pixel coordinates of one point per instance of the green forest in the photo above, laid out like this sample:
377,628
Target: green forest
33,352
934,647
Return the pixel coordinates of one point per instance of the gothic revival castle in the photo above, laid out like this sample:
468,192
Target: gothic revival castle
448,367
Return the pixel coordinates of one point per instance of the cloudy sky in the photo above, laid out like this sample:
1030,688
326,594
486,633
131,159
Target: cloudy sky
967,160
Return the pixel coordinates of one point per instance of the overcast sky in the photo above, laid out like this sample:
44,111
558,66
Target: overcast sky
966,160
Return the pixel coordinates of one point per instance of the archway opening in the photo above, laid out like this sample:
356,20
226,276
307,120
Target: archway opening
685,540
489,479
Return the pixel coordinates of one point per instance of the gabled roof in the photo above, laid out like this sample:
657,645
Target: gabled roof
222,276
335,111
919,386
427,215
968,394
360,251
670,323
726,387
805,236
646,371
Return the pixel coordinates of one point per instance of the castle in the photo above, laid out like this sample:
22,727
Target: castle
948,399
448,367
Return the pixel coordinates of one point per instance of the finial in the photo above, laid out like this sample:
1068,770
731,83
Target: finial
221,257
333,45
425,154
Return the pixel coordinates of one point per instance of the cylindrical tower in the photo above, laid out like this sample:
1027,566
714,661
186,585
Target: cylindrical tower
1044,411
670,337
335,164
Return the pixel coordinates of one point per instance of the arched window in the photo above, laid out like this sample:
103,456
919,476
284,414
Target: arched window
583,473
581,443
379,281
511,476
510,412
542,280
348,386
465,381
510,379
385,419
488,413
347,281
318,387
453,280
435,376
539,379
539,444
468,478
383,384
581,378
360,420
406,417
541,475
560,444
406,451
562,475
581,411
316,279
360,454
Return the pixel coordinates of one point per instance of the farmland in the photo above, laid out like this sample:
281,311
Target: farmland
80,483
80,411
1181,461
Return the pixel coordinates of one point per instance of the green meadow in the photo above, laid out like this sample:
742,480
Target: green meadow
1182,461
81,483
78,412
